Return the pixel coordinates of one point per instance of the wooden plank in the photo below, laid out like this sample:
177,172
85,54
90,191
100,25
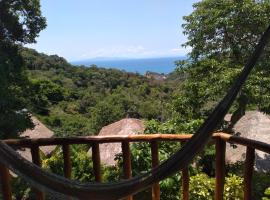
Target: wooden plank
37,161
96,162
127,163
67,161
5,183
155,163
248,173
220,168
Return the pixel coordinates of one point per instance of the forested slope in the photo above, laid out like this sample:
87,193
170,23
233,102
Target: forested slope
79,100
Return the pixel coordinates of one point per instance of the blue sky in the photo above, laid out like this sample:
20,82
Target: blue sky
84,29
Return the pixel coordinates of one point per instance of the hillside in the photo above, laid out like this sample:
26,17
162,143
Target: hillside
78,100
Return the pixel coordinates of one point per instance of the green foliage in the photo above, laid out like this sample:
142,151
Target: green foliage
79,100
267,194
227,29
201,187
13,117
82,167
44,93
233,189
172,126
260,183
222,35
21,21
21,189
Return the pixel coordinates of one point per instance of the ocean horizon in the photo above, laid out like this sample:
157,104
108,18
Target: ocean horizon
163,65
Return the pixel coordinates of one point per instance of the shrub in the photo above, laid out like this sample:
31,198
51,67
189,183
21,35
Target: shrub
233,189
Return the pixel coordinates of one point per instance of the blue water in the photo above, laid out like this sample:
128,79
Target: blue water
159,65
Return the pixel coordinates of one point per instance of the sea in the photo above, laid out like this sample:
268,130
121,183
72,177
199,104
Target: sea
163,65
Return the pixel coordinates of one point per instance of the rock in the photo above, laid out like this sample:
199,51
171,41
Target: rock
128,126
155,76
253,125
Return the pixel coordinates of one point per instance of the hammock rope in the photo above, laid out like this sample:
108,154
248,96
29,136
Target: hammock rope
111,191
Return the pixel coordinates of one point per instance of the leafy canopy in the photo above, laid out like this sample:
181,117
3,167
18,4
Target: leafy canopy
20,20
223,35
20,23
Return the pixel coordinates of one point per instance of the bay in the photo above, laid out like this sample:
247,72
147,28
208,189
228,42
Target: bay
160,65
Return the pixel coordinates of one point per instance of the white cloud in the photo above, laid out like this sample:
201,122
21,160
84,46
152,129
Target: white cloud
181,51
135,51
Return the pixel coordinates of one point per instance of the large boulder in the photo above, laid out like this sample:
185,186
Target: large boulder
253,125
108,151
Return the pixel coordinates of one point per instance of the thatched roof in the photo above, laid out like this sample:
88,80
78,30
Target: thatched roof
39,131
253,125
128,126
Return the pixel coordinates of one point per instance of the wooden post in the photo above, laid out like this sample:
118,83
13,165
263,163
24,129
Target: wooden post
185,182
248,173
67,161
155,163
36,160
220,168
96,162
127,163
5,183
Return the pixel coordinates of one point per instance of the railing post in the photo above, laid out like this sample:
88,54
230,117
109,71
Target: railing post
220,168
127,163
185,182
36,160
96,162
155,163
67,161
248,173
5,183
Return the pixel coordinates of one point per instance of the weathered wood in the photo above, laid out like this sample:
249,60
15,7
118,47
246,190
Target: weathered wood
134,138
220,168
98,139
5,183
96,162
127,163
185,182
249,167
67,161
244,141
37,161
155,163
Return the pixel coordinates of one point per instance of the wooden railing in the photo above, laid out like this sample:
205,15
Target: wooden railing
220,143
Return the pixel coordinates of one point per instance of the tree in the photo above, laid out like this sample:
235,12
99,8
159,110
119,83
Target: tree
223,35
20,23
